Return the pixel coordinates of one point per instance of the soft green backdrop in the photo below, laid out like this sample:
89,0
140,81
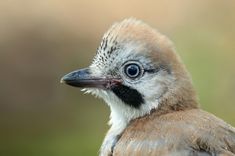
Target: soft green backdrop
42,40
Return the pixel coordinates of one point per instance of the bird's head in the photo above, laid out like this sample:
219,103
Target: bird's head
136,70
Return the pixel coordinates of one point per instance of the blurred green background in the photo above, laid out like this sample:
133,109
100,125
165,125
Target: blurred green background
42,40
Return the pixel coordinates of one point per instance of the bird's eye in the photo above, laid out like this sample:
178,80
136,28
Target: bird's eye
132,70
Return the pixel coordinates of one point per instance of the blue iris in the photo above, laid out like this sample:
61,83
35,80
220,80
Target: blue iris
132,70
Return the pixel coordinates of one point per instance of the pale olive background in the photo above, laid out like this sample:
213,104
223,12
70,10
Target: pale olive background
41,40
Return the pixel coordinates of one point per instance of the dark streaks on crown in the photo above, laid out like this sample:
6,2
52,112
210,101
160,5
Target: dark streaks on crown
106,52
113,48
105,44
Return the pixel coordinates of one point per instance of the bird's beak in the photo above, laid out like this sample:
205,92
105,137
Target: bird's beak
83,78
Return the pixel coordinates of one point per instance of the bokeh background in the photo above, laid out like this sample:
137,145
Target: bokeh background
41,40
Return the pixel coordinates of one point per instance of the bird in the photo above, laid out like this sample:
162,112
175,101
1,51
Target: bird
154,106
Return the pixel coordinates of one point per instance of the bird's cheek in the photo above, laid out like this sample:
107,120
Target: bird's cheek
157,90
128,95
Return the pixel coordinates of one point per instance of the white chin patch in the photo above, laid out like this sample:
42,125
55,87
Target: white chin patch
92,91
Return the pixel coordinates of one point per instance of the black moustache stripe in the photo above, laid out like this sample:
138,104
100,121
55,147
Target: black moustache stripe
128,95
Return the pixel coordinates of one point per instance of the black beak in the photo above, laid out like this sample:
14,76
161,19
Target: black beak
83,78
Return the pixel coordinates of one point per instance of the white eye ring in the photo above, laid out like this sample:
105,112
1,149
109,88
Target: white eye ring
132,70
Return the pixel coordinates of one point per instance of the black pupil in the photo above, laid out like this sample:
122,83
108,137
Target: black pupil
132,70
